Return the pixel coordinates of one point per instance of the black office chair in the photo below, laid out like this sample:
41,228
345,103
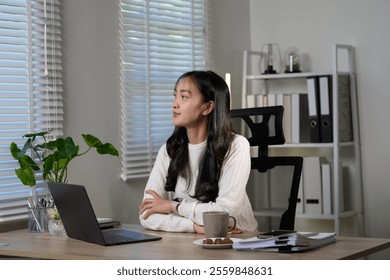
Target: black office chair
266,127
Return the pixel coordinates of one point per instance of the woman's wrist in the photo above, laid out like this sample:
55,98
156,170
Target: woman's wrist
175,207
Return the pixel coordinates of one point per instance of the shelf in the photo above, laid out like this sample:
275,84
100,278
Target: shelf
289,75
279,212
311,145
284,76
345,214
338,153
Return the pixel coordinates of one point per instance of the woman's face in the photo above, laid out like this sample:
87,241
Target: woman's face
188,108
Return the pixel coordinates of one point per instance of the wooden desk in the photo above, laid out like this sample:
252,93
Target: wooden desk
176,246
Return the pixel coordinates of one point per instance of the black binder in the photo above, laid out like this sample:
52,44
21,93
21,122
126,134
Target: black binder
325,90
314,107
304,120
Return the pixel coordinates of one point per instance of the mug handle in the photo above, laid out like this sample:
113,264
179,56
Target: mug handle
234,223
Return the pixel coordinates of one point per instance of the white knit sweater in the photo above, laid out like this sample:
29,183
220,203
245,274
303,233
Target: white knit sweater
232,196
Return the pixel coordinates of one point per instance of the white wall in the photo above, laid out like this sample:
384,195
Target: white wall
91,82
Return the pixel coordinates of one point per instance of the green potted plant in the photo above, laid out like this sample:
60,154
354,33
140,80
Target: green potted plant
50,159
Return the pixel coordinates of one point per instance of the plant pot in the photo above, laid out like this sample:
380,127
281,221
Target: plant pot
56,227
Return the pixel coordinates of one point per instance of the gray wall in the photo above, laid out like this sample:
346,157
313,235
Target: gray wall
91,97
91,82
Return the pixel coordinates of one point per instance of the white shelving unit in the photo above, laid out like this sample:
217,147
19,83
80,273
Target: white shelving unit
334,148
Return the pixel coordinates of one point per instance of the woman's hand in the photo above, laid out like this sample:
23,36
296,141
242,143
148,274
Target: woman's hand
198,228
235,231
157,204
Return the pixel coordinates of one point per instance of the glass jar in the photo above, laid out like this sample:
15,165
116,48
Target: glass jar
56,227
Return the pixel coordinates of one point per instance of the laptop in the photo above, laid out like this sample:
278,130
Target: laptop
80,221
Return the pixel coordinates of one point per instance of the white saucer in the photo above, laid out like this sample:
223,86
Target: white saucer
199,242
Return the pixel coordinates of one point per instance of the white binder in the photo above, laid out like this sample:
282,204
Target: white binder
326,179
312,189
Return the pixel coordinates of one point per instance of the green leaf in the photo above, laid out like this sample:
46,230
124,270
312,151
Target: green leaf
91,140
66,148
34,135
107,149
48,165
27,162
41,146
62,163
14,150
26,176
26,147
52,145
103,149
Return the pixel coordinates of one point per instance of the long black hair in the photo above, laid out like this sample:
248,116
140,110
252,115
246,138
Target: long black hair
219,139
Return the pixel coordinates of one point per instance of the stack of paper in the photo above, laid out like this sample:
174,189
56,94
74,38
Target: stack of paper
299,241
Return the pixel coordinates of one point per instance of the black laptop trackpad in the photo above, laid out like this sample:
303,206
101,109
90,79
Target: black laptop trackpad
122,236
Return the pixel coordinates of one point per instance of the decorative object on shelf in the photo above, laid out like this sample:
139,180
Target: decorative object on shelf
292,61
49,160
270,58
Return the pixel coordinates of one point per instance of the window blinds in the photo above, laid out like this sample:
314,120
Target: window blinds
30,87
159,41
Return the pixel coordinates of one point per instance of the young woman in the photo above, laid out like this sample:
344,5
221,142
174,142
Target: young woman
203,166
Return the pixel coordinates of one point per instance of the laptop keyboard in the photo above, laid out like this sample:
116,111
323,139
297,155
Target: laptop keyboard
117,237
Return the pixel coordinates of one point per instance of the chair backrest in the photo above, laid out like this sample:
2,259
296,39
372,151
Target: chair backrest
266,128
